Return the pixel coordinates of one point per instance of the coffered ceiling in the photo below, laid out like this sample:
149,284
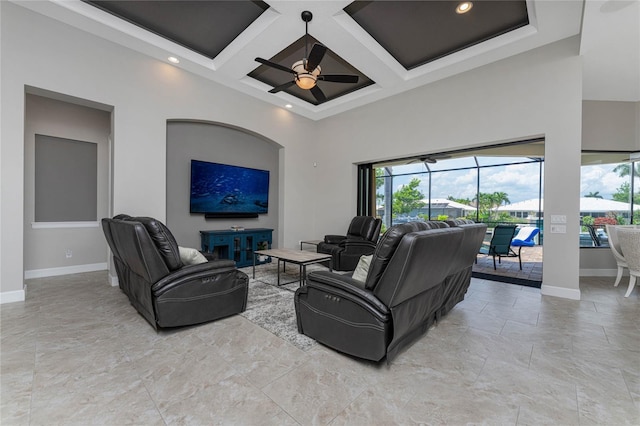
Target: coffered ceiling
392,46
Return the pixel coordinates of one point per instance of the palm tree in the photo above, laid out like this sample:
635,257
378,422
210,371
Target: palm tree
593,195
625,169
483,203
489,203
498,199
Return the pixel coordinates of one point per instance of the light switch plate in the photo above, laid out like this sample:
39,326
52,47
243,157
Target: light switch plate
558,229
558,218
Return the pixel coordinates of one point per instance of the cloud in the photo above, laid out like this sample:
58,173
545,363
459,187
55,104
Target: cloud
519,181
601,179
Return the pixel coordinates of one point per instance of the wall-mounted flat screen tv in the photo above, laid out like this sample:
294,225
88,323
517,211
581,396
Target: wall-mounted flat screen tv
220,190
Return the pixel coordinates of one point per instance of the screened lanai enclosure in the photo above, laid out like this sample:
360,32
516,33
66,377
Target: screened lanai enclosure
501,185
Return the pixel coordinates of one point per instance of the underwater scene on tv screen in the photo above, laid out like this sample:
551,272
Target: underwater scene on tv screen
222,188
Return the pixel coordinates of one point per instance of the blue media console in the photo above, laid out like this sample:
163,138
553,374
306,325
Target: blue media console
237,245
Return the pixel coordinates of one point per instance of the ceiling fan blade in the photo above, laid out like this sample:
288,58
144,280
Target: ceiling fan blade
318,94
315,56
282,87
274,65
339,78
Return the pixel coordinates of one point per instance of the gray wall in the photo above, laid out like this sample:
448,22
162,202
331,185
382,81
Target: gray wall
46,248
609,125
189,140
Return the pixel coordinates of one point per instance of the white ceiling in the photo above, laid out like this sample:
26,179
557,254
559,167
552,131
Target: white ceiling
610,45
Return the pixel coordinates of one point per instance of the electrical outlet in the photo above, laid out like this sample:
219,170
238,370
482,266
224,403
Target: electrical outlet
68,253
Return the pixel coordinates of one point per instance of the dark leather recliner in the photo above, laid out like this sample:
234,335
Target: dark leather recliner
419,272
361,239
163,290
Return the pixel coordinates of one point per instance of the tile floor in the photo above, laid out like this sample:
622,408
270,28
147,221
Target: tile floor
76,353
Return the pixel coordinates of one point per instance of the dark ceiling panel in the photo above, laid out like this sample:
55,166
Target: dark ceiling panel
418,32
330,64
206,27
413,32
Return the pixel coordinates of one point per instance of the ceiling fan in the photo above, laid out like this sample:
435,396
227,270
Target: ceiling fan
429,159
307,71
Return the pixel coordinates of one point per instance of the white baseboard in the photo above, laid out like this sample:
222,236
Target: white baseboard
565,293
602,272
64,270
12,296
113,280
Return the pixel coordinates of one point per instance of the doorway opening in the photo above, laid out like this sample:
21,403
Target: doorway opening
500,185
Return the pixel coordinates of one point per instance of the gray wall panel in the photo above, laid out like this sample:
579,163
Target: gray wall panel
66,180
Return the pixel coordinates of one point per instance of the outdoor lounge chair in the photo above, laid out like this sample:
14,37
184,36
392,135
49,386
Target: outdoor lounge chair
525,236
500,244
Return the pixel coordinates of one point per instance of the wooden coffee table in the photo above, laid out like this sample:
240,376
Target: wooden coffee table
300,258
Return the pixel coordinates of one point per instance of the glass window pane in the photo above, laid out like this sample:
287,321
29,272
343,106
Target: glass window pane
383,196
410,194
636,193
403,169
605,195
448,189
453,194
452,163
498,161
510,194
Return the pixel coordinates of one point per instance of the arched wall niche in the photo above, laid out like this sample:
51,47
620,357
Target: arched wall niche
217,143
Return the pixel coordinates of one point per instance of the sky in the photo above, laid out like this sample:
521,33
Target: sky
519,181
602,179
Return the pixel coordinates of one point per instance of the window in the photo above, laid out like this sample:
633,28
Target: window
485,188
609,194
510,191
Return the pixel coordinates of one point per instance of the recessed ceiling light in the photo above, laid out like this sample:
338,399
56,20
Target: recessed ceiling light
173,60
464,7
288,106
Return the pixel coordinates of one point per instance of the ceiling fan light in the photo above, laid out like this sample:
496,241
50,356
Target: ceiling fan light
305,81
464,7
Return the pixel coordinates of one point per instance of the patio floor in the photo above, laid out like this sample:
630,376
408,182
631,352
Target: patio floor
509,269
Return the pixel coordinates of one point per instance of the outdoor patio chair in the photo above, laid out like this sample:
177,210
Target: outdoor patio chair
500,244
593,233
